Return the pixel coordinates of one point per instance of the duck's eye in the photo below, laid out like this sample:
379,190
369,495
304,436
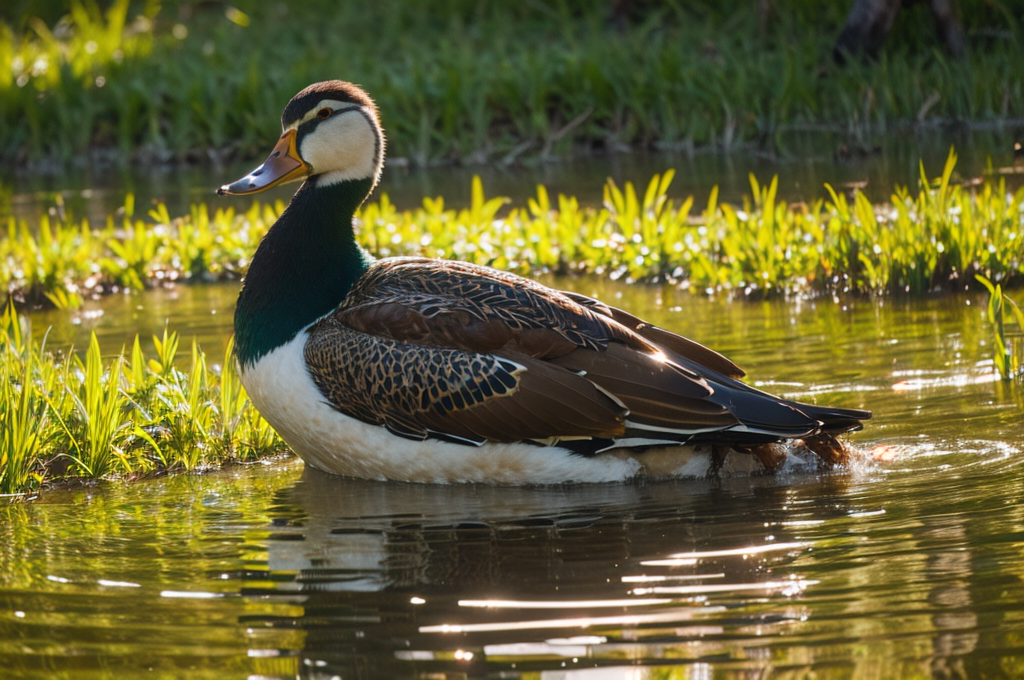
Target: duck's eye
324,113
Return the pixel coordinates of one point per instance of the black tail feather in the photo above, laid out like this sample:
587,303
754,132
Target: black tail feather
769,414
836,420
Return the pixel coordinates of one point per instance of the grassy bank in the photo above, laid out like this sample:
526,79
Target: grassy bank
82,417
938,238
478,81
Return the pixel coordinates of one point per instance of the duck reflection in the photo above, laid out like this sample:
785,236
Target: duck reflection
427,581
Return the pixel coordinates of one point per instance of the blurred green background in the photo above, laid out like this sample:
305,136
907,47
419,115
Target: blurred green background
474,81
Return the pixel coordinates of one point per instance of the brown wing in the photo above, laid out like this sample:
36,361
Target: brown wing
657,392
468,304
457,306
420,390
418,344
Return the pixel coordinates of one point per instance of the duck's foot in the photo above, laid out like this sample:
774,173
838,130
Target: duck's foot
829,450
772,456
718,454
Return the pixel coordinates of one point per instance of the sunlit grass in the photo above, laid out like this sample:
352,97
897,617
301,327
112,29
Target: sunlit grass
86,417
935,239
26,429
1007,321
60,262
459,79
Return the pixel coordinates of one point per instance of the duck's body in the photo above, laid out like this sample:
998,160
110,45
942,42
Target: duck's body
429,370
283,390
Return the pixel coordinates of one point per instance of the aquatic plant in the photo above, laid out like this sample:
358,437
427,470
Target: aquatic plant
1007,343
459,79
95,424
935,239
25,426
67,416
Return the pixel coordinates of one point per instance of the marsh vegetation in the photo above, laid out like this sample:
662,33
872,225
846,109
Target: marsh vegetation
935,238
69,415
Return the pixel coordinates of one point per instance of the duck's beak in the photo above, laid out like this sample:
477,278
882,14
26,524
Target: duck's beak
283,165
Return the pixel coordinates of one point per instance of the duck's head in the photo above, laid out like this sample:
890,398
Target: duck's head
331,132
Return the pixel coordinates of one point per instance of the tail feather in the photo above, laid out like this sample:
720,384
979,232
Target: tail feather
770,414
836,420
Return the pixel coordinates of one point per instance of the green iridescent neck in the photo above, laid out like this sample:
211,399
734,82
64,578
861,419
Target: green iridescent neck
303,268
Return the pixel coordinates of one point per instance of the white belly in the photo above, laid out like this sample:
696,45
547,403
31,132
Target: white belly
281,387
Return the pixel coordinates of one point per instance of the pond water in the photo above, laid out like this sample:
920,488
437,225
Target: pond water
802,161
907,567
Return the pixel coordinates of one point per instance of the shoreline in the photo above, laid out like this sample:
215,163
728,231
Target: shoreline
103,159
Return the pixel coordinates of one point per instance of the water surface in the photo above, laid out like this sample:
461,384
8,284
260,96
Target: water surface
910,567
802,161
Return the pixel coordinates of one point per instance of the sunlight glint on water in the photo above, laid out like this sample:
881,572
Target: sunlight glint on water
907,565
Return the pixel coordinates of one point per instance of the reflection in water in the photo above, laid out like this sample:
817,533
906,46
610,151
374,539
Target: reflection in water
955,621
752,576
509,578
911,569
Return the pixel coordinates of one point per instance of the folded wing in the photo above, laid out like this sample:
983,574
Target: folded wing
451,350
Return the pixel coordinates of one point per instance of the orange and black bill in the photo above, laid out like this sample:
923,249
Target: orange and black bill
283,165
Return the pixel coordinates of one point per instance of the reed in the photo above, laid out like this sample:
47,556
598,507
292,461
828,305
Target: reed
63,416
1003,315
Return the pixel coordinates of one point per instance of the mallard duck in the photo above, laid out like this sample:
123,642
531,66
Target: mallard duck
429,370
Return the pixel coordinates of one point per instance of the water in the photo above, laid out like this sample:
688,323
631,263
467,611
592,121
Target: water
907,566
802,161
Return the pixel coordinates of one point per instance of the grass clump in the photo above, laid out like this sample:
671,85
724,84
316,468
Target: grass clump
68,416
26,430
936,239
1007,343
478,81
60,262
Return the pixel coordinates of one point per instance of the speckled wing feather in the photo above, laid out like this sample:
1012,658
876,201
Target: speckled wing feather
582,369
419,390
457,304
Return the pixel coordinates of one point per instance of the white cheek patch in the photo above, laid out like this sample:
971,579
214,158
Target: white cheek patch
343,147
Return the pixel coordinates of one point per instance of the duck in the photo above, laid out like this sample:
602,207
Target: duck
427,370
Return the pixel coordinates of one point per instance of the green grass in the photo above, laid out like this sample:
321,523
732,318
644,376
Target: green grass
67,416
936,239
482,81
1007,343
